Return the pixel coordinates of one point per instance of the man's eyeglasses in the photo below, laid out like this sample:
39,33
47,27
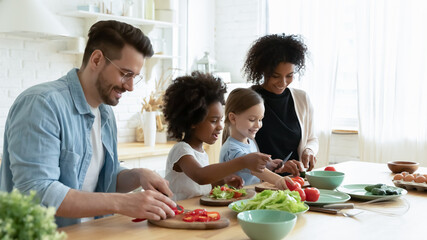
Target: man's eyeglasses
127,76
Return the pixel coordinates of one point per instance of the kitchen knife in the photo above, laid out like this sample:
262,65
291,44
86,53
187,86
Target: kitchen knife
283,162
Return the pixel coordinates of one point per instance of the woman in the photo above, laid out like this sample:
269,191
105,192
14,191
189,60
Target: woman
271,64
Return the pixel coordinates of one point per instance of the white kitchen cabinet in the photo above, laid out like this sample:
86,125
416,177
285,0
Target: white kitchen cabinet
164,36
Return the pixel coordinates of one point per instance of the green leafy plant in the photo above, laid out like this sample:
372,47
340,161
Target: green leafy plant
22,217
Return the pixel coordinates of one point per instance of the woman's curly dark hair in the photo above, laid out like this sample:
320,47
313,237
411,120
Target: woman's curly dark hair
268,51
187,99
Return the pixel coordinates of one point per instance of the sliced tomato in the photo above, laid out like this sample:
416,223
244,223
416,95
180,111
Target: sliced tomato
214,216
299,180
189,218
202,219
237,194
176,211
201,212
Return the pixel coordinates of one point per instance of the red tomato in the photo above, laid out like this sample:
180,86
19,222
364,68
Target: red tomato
301,194
176,211
293,186
213,216
202,219
330,168
312,194
237,194
189,218
299,180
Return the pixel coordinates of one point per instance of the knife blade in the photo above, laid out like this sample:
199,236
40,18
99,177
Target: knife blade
283,161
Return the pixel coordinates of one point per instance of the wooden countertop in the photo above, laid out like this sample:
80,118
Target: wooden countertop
127,151
367,225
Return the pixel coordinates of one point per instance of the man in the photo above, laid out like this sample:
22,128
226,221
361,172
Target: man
61,137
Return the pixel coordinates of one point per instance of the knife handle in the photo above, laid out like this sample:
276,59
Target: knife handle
324,210
340,206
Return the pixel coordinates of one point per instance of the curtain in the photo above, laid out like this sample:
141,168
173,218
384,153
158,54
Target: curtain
391,76
317,22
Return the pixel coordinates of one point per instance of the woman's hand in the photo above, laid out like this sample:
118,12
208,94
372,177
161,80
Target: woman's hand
273,164
308,159
293,167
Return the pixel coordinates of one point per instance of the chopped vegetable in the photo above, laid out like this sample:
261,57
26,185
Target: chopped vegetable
226,192
284,200
382,189
201,215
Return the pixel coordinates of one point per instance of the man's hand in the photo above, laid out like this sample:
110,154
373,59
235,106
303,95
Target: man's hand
308,159
150,180
146,204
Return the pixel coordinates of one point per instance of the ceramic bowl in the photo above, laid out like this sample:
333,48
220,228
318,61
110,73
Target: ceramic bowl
402,166
266,224
325,179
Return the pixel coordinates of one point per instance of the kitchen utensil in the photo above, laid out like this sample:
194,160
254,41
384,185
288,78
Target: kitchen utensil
402,166
379,205
335,211
357,191
329,197
325,179
266,224
283,162
177,222
208,201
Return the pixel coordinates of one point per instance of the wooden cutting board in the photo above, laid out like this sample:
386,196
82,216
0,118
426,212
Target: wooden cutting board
269,186
206,200
176,222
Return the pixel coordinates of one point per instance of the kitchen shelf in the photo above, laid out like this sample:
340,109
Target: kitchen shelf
130,20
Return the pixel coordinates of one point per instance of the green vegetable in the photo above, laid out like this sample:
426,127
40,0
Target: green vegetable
225,192
382,189
370,187
285,200
302,174
22,217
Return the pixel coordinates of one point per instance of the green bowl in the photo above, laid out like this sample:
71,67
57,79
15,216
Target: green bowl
325,179
266,224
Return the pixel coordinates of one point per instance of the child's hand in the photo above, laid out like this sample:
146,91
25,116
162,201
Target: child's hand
273,164
281,183
234,181
257,161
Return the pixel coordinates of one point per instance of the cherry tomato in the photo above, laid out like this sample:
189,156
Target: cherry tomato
301,194
330,168
312,194
299,180
293,186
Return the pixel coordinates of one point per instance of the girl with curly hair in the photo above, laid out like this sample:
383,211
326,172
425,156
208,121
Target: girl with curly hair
244,111
271,64
193,108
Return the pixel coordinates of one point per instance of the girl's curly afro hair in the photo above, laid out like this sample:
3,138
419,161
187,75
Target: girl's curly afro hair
187,99
268,51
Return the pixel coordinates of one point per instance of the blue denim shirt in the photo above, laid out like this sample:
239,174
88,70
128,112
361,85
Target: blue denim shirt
47,144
